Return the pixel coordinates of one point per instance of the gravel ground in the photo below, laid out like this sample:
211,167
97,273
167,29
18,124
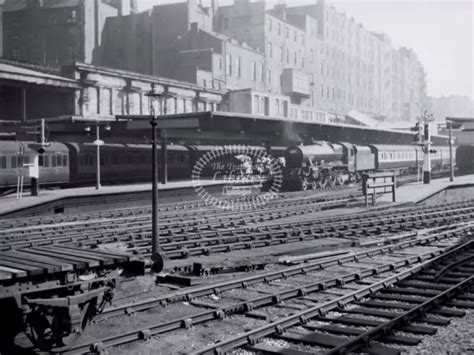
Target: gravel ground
186,341
457,338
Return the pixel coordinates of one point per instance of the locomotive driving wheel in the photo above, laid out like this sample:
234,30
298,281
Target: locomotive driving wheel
304,185
314,185
322,183
339,179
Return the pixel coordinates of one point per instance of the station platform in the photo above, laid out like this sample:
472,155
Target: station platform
10,204
418,192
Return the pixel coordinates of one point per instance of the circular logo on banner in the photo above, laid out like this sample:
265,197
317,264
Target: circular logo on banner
243,177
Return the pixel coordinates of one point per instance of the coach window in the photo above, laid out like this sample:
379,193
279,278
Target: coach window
14,162
41,160
65,160
59,159
53,161
46,160
3,162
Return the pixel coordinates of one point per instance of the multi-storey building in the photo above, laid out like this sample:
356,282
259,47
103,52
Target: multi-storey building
57,32
289,43
296,62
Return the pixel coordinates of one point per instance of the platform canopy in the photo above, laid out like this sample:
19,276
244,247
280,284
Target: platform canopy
466,123
15,73
234,128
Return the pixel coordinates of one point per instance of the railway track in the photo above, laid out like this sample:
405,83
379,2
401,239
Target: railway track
222,238
187,208
266,299
169,224
400,303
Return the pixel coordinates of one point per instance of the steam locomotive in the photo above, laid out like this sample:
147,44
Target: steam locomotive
329,164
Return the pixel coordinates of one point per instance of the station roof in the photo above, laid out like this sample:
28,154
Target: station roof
262,128
460,119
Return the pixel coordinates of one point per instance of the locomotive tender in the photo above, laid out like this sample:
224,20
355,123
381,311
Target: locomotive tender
329,164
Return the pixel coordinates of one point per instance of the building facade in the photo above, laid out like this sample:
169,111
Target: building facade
55,33
306,62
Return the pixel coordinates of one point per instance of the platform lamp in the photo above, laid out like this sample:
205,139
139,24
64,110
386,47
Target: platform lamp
156,256
97,143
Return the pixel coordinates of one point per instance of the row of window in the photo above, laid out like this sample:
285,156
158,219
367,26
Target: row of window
287,31
119,159
398,156
45,160
262,106
334,94
286,57
53,160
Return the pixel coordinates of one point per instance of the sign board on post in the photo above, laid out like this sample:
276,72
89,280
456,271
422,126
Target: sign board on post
372,185
34,171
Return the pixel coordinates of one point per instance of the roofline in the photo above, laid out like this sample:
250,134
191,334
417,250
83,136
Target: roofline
217,114
143,77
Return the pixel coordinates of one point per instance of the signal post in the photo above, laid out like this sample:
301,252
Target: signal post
423,139
426,149
39,149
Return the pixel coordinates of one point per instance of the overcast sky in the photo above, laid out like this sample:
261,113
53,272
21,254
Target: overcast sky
441,33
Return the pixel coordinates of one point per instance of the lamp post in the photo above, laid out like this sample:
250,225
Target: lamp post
156,257
97,143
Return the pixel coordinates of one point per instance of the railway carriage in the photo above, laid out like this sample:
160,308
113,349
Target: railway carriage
16,156
465,158
401,158
124,162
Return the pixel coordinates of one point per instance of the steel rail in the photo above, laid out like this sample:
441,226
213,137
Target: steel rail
313,205
225,243
363,340
193,222
217,288
172,207
301,317
249,305
258,236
